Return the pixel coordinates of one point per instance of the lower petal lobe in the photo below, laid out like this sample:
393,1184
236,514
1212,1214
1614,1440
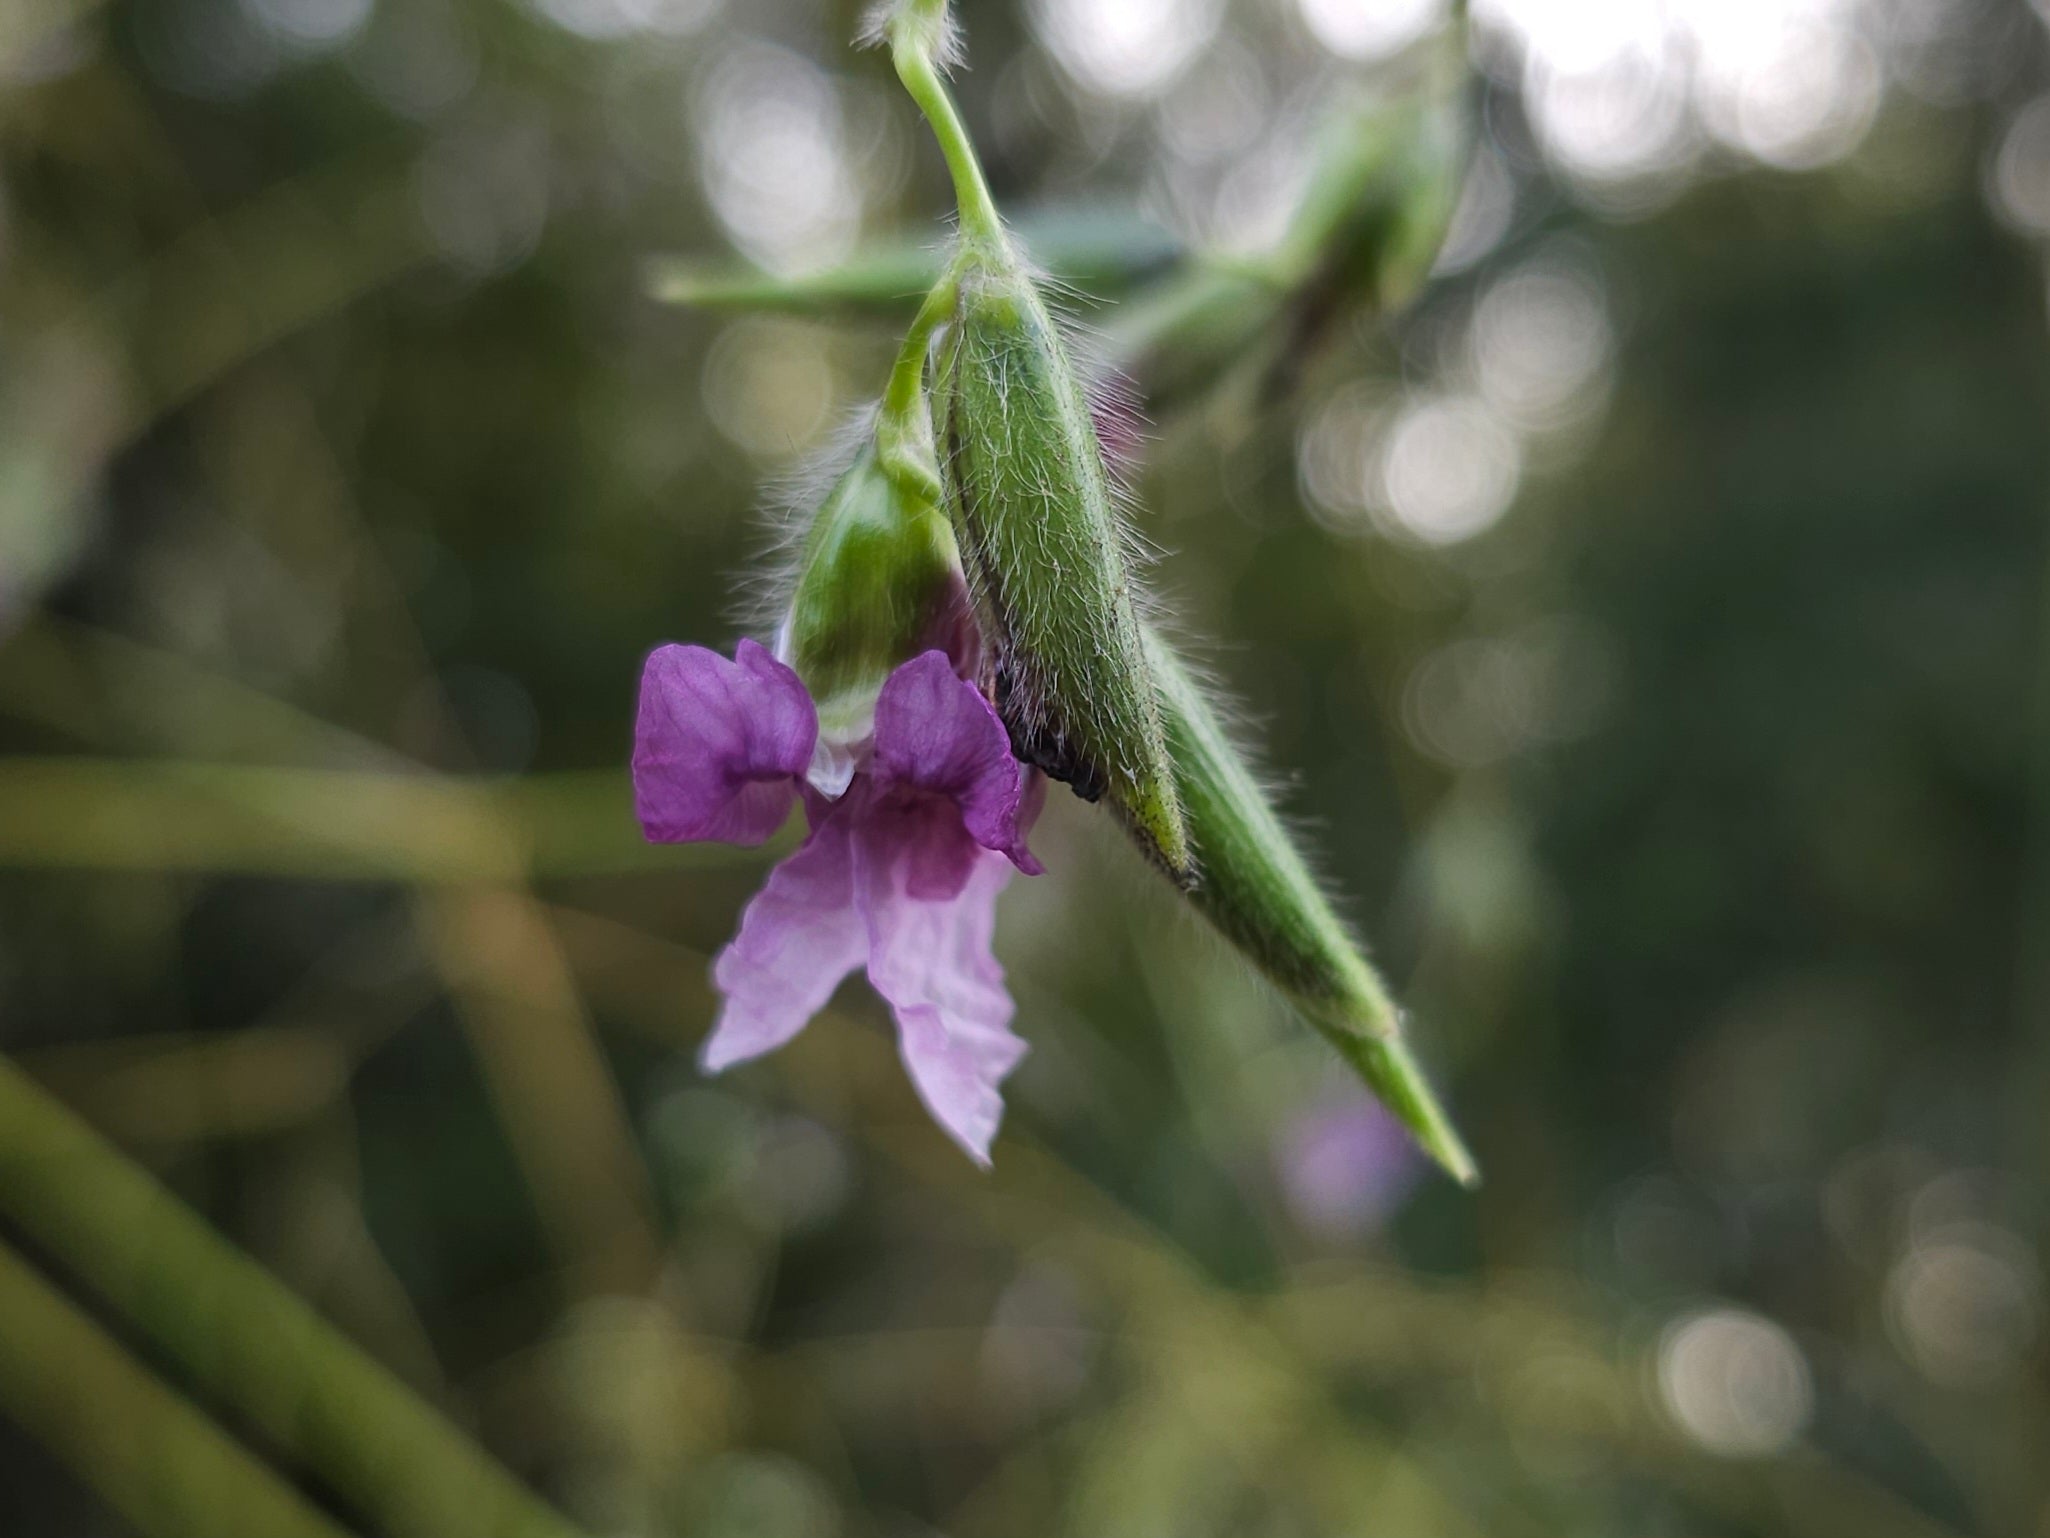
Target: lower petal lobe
931,959
802,933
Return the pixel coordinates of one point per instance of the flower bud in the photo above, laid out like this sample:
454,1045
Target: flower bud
1255,888
1383,196
878,581
1047,560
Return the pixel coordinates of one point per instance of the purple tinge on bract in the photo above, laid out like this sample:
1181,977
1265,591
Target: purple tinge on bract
900,873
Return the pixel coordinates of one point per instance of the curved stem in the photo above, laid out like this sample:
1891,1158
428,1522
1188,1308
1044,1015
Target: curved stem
904,446
980,223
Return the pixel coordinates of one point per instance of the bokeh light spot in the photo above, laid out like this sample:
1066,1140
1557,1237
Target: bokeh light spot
1966,1303
605,20
483,193
772,156
769,386
1735,1383
1450,469
1624,119
1371,29
311,25
1125,47
1540,342
2021,169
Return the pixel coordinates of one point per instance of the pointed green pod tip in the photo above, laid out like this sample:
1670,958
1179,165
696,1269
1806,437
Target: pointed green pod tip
1255,888
1047,559
1387,1067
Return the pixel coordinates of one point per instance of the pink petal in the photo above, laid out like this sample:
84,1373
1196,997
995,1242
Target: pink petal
930,958
936,733
719,745
798,938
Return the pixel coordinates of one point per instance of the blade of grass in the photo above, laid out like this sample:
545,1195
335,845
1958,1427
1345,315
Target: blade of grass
142,1449
116,814
1096,251
245,1338
504,968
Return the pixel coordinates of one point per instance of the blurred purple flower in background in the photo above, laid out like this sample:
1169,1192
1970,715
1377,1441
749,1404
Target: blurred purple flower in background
1345,1165
900,872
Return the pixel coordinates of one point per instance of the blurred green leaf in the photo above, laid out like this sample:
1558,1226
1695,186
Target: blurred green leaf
1094,251
149,1453
244,1337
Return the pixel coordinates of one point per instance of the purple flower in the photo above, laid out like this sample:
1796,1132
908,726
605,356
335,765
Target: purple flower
900,872
1345,1165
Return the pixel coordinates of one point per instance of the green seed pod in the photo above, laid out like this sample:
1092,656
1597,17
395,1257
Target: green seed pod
1255,888
1047,560
878,581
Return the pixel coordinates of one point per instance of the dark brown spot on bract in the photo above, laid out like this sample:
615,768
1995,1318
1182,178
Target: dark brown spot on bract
1043,747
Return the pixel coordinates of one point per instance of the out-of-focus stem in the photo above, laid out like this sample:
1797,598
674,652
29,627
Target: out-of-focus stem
322,824
247,1340
146,1452
554,1090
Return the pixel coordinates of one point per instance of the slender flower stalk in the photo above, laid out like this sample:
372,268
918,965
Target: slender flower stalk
903,433
921,37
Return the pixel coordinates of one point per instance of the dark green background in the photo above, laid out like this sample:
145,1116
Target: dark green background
1739,987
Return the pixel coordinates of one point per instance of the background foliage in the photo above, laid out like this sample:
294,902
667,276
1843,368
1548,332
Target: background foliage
1650,620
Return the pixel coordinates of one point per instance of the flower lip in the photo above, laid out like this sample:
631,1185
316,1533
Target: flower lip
719,745
722,748
936,733
900,872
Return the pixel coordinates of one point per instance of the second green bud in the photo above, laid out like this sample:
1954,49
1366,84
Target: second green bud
879,580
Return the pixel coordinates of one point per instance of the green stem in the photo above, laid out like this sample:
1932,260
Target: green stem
980,224
246,1339
147,1453
904,446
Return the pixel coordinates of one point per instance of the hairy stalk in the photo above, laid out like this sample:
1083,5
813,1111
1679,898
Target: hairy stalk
916,31
904,442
